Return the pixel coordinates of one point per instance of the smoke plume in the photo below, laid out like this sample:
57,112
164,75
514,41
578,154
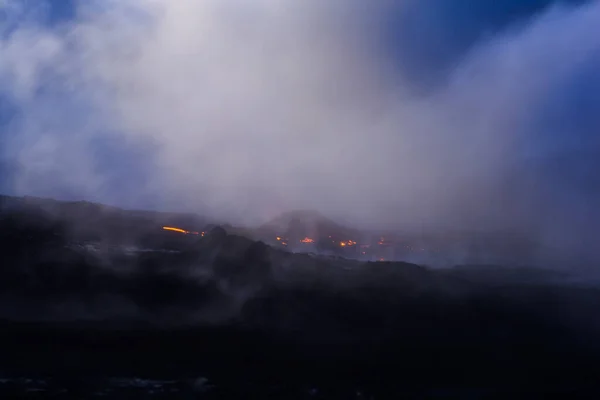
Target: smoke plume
417,114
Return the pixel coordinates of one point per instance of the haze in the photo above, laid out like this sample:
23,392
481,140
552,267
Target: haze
443,114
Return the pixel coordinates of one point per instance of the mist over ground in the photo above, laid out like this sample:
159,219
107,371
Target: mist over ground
90,293
352,146
437,114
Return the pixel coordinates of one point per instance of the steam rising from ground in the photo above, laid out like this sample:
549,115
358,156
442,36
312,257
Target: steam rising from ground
242,110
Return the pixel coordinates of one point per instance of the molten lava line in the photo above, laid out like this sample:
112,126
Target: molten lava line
170,228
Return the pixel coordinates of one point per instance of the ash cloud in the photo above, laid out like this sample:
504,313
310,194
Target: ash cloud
243,110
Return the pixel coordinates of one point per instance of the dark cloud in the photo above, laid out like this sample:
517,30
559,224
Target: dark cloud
430,38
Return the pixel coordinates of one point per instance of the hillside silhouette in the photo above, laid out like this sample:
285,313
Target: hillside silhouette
77,301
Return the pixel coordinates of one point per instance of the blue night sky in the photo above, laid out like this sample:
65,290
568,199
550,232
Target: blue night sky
554,141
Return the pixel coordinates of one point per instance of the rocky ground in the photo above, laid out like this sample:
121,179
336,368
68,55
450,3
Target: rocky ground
222,316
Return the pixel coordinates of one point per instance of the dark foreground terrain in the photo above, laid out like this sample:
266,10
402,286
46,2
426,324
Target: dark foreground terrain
88,313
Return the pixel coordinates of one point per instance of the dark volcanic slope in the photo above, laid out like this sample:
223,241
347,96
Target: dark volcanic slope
85,221
251,318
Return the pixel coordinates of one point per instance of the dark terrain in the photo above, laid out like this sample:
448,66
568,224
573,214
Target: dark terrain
90,293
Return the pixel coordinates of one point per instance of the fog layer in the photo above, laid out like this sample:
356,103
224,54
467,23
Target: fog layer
241,110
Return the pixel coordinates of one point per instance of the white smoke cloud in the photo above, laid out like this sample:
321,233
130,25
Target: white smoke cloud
259,107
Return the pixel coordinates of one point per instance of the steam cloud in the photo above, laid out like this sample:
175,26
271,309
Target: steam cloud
242,110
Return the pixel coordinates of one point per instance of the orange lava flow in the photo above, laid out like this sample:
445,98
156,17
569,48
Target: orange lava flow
170,228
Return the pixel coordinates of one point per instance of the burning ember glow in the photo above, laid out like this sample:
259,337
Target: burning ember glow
169,228
172,229
348,243
282,240
307,240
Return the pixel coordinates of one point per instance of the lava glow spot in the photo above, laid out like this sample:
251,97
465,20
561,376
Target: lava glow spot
172,229
179,230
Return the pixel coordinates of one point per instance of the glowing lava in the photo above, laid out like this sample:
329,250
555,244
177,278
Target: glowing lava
179,230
